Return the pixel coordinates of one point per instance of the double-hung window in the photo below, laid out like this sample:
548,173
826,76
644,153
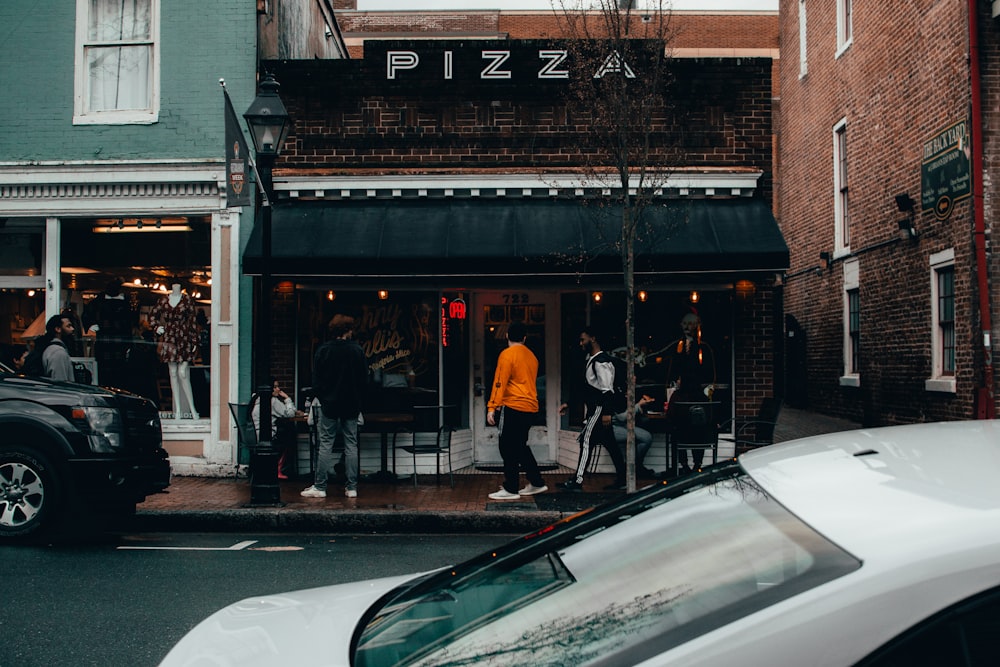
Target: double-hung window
803,59
845,33
841,211
942,265
852,325
117,62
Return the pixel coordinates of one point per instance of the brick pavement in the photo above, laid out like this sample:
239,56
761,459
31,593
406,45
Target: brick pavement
204,503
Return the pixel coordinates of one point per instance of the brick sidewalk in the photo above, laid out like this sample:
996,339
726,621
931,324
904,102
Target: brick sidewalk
209,503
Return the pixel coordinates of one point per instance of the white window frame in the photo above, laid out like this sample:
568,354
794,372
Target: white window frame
803,58
841,199
82,115
851,282
938,381
845,27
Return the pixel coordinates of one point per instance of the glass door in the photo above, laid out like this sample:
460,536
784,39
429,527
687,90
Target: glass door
493,312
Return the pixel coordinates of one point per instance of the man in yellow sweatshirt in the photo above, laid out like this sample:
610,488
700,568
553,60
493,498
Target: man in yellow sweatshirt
512,407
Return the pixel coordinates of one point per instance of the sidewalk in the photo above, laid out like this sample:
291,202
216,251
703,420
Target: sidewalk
220,504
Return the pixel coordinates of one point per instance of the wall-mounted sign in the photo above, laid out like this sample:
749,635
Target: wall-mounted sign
499,64
945,177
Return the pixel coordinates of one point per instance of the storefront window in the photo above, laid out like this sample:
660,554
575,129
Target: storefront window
415,343
140,291
658,333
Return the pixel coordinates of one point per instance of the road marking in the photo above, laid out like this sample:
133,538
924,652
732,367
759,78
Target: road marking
239,546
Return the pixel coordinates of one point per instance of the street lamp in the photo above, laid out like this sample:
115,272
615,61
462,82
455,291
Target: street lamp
269,123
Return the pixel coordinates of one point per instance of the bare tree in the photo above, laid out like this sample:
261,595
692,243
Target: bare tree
619,90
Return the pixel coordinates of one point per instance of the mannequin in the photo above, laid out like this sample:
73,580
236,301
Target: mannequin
173,320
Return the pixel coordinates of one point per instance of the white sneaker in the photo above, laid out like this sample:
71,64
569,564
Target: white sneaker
504,494
313,492
351,493
531,490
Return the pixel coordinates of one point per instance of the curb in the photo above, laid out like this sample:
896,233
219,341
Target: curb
343,521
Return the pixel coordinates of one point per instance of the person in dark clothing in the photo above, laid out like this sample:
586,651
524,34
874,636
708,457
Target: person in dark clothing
110,316
340,376
602,403
690,379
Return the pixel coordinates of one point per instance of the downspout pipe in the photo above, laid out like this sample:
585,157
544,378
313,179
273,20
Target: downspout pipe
985,404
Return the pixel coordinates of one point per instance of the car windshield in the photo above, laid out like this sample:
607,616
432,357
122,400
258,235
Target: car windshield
611,586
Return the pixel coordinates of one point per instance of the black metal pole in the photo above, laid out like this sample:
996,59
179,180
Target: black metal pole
264,487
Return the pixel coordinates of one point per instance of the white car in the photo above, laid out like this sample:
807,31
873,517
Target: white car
872,547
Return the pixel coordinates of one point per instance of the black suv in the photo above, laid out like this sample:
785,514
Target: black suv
66,447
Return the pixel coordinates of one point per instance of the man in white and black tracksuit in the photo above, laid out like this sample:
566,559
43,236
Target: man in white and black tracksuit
602,402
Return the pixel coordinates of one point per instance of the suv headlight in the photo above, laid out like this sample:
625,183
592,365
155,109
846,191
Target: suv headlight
102,425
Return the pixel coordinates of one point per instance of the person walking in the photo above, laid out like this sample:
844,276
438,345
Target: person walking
512,407
601,402
59,331
340,375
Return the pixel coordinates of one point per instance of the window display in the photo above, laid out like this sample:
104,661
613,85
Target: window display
141,295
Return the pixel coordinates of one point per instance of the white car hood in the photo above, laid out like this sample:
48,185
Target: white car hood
309,627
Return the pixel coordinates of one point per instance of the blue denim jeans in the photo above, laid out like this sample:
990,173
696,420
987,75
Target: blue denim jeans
329,430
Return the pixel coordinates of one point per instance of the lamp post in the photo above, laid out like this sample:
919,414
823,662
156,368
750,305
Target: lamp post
269,123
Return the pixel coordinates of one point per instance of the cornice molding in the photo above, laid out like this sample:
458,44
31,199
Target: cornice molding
141,187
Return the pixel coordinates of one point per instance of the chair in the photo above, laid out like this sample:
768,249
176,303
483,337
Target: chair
694,428
759,431
424,442
246,434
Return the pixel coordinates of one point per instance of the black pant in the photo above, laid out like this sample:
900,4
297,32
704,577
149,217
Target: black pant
514,450
593,435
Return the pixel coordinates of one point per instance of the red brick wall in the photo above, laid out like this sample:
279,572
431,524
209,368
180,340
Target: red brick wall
902,81
721,118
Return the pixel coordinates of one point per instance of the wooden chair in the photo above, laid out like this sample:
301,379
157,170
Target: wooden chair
424,442
759,431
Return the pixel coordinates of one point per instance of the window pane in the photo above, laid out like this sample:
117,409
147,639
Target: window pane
946,318
119,20
118,78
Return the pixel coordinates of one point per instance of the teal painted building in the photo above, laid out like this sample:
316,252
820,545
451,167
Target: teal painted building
113,201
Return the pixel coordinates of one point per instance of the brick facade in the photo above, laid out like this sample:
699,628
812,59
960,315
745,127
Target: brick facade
904,78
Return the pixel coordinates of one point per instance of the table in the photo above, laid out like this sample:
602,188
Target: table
385,423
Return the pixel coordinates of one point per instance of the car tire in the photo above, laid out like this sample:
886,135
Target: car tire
30,497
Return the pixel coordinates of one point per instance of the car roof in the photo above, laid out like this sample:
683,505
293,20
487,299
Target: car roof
884,492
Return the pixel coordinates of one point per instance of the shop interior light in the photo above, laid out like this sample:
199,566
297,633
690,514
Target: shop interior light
597,296
642,296
331,295
132,225
694,296
383,294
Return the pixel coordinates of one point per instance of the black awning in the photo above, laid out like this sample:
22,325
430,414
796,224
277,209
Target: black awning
543,239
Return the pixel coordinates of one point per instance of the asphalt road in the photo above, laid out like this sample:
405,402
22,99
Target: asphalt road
126,600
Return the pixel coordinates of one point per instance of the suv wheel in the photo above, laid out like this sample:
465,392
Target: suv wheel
29,493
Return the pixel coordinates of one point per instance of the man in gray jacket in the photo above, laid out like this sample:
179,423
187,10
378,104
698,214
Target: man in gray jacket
55,357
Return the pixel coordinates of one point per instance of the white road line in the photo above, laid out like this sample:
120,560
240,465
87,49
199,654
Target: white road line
239,546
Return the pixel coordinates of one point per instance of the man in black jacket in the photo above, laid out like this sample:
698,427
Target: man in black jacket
340,375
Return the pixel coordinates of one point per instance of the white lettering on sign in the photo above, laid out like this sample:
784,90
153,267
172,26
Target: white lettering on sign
614,64
555,58
492,70
400,60
553,64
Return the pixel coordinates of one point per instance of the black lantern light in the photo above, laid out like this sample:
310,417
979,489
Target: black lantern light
269,123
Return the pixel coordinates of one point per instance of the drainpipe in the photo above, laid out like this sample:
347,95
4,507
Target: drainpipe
985,405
